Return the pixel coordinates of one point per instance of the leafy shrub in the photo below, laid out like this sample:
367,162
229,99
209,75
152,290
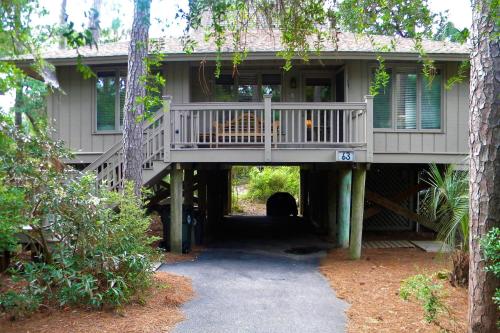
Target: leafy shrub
268,180
490,245
426,292
93,243
20,304
102,254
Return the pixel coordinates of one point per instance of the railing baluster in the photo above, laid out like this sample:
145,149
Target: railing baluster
230,124
324,126
217,127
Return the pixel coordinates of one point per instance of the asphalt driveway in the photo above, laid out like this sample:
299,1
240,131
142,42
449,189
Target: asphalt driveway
247,282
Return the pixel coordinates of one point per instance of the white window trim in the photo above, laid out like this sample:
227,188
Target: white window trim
418,69
118,128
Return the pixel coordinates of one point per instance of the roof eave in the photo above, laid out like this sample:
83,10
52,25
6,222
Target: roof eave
104,60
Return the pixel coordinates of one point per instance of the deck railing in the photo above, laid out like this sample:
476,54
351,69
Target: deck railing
108,168
271,125
266,125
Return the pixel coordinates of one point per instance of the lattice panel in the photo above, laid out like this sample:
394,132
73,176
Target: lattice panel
387,181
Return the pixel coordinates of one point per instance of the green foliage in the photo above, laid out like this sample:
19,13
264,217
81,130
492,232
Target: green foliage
11,218
405,18
101,255
240,174
268,180
427,293
20,304
93,243
490,245
448,31
447,201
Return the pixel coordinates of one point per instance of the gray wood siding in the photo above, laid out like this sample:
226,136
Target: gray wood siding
451,140
72,111
73,114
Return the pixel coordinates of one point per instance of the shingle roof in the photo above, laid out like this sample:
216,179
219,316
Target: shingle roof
264,42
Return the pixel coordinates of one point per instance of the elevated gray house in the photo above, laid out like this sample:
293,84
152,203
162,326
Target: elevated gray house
318,115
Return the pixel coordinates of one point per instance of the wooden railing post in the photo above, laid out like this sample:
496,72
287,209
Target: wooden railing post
369,128
166,128
267,127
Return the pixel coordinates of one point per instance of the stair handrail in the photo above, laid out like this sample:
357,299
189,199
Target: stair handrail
117,146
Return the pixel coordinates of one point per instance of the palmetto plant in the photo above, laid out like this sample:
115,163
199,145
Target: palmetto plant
447,201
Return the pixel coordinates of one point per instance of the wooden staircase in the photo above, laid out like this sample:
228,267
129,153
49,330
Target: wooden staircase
108,168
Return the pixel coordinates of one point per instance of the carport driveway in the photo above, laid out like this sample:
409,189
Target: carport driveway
255,286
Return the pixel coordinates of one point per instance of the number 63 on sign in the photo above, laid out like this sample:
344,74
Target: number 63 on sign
345,156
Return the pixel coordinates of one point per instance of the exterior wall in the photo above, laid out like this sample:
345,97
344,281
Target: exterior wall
73,113
448,145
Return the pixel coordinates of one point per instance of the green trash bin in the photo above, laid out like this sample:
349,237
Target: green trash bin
188,220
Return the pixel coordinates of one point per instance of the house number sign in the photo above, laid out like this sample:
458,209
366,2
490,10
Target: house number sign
345,156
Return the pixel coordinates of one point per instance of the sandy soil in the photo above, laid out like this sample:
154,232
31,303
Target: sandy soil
170,258
251,208
371,286
159,313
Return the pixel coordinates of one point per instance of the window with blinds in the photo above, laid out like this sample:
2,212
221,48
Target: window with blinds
382,107
110,91
431,102
406,100
410,101
106,101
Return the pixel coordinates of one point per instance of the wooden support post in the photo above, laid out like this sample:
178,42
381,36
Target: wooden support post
229,192
311,190
358,207
176,209
332,206
345,179
202,201
304,185
188,187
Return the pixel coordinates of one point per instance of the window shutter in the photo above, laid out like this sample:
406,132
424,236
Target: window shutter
406,100
106,93
431,102
382,107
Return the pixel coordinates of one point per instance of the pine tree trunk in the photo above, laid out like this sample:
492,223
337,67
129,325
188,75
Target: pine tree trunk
62,22
484,143
134,109
95,20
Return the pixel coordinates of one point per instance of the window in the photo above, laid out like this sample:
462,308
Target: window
271,84
410,101
247,87
318,89
224,88
110,88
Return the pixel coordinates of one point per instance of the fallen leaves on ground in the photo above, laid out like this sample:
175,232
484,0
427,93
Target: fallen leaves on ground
158,313
371,286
